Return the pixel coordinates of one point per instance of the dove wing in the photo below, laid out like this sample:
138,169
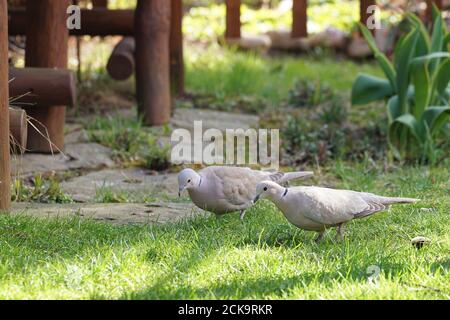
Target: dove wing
237,185
332,207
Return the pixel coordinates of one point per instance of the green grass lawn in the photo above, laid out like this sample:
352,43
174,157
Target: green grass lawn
263,257
227,73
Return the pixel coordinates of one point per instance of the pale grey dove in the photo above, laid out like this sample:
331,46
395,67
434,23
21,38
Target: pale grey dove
316,209
223,189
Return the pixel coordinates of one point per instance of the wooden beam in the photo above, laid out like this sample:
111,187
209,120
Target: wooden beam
95,22
233,19
5,169
100,3
299,19
42,86
121,63
152,33
176,48
46,47
363,14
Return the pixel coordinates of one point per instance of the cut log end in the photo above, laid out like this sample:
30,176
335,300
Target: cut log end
18,127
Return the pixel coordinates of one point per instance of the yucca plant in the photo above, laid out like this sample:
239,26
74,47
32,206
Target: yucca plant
416,89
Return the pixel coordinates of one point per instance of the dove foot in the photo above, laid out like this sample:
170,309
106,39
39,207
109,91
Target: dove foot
340,232
242,215
319,237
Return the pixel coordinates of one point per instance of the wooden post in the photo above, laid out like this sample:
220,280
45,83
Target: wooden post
176,48
5,170
46,46
152,33
100,3
429,13
363,14
233,19
299,19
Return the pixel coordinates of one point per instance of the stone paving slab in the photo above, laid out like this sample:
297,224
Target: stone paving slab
76,156
184,118
134,181
121,214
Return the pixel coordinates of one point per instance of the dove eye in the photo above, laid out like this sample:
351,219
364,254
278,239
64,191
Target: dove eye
189,180
265,188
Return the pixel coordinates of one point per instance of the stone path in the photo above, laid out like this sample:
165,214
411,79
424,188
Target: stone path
114,213
136,181
98,171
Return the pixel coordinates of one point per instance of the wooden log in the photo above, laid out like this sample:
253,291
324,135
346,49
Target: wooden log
299,19
5,169
176,48
95,22
42,86
152,25
18,127
233,19
364,15
46,47
121,63
100,3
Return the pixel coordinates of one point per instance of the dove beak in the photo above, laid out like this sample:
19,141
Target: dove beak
180,190
256,198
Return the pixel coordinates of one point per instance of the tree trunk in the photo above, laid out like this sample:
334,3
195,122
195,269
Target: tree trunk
152,33
46,47
5,170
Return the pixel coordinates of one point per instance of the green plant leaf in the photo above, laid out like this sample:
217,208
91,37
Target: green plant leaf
393,109
423,42
435,118
367,88
403,58
397,131
384,62
437,37
422,88
443,77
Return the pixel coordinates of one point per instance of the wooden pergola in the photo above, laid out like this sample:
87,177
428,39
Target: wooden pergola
299,16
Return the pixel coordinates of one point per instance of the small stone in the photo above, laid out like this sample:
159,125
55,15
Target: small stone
419,242
427,209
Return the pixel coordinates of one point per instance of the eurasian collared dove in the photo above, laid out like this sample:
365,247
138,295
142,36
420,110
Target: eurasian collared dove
316,209
222,189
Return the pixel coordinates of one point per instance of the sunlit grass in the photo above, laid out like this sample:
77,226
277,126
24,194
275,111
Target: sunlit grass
263,257
226,72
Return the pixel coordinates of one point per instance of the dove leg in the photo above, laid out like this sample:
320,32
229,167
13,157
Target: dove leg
242,215
319,237
340,231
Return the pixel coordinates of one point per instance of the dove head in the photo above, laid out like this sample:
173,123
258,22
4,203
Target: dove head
187,179
268,190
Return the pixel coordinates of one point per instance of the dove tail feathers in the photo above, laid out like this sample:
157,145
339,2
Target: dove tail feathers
295,175
394,200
